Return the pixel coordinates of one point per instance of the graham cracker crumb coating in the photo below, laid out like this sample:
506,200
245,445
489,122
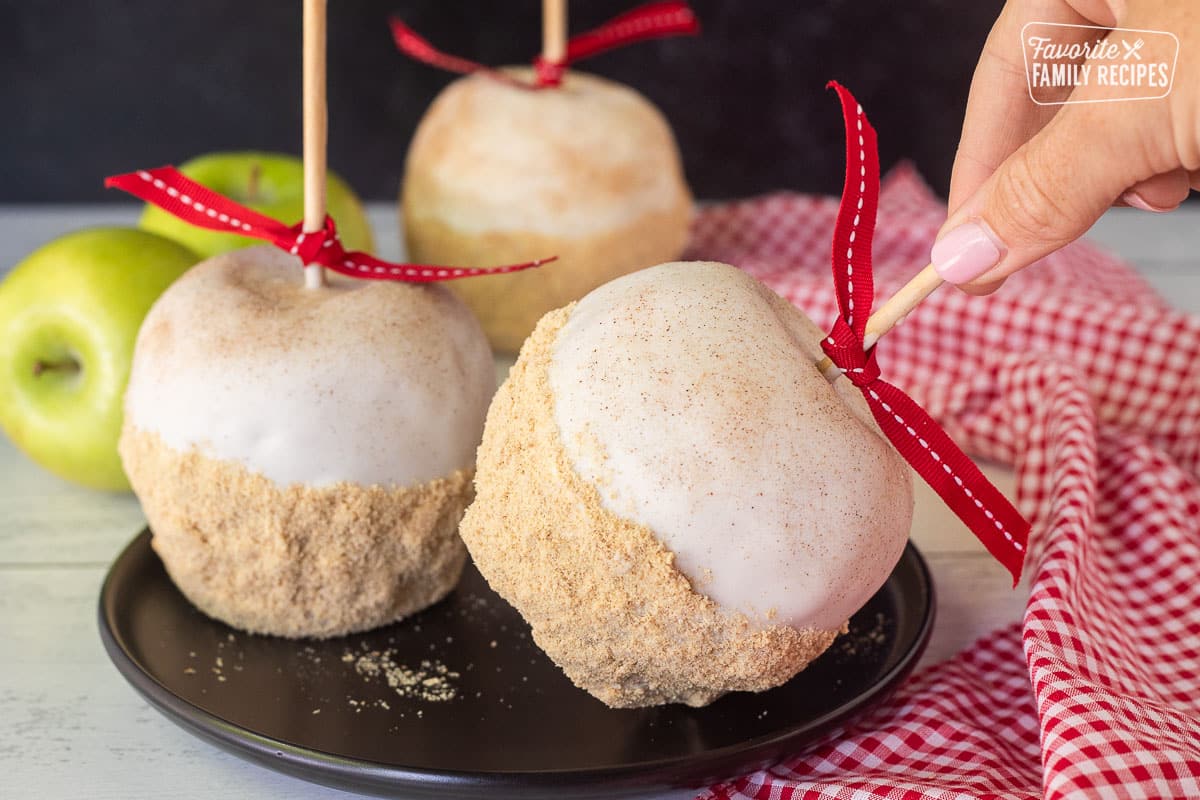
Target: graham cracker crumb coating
296,561
601,593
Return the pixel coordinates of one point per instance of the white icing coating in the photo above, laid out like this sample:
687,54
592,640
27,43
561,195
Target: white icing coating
365,382
688,394
591,155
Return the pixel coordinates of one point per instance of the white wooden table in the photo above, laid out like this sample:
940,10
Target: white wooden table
71,727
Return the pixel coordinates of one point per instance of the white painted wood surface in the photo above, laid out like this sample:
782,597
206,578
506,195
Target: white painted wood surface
71,727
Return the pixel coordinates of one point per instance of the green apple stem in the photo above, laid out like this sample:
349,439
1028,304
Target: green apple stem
68,366
252,182
315,130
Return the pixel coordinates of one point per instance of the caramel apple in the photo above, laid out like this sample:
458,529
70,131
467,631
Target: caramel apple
304,456
675,498
498,172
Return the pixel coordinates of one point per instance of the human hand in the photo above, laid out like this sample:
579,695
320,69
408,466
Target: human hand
1031,178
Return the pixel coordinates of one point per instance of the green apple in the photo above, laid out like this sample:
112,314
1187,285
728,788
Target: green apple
269,183
69,315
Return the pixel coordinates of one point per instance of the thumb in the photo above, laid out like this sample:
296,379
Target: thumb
1046,194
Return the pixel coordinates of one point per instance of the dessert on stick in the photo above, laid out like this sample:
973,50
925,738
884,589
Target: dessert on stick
710,510
303,446
511,162
303,455
722,484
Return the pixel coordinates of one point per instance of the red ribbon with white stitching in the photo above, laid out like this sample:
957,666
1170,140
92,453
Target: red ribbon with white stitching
650,21
914,434
175,193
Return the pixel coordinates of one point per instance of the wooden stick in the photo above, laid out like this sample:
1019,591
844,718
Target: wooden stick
316,123
887,315
554,30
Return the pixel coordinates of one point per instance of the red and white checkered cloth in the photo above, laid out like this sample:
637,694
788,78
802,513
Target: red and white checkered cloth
1078,374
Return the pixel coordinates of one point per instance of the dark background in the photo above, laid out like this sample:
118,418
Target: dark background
94,88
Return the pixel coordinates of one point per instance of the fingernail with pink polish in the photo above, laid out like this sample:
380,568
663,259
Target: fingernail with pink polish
1137,201
966,252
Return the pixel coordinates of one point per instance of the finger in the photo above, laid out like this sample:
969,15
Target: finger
1000,117
1101,12
1046,194
1163,192
982,287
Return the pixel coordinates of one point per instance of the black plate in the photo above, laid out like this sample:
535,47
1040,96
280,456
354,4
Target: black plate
516,727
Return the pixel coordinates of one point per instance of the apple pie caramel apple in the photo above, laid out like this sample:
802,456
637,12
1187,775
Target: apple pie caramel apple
675,497
304,457
498,172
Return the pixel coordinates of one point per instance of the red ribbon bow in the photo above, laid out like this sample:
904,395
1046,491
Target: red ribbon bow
650,21
914,434
175,193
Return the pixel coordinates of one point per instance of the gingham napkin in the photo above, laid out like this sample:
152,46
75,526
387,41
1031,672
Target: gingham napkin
1085,380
